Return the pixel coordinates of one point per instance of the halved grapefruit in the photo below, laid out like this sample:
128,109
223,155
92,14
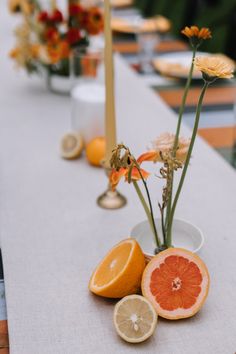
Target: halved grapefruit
176,282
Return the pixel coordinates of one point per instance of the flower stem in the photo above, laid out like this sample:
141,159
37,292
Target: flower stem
194,133
148,213
181,111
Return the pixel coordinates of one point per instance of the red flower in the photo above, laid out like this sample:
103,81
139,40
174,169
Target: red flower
56,16
75,10
52,34
73,35
43,17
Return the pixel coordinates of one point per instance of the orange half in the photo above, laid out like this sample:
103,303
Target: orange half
119,273
176,282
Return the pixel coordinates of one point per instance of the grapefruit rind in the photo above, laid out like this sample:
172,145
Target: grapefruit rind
153,324
128,280
179,313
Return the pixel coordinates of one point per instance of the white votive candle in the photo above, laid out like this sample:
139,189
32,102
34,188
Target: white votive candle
88,110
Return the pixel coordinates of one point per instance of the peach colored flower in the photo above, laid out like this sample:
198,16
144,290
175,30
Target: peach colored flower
164,144
115,176
214,67
194,31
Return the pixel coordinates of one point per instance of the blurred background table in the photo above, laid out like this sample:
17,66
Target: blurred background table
218,120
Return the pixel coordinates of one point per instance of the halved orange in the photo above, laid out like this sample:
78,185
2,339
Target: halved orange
176,282
119,273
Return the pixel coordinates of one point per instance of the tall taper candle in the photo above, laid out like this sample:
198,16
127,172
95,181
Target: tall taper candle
110,118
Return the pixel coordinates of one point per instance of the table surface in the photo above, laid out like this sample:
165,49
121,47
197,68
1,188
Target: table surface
53,234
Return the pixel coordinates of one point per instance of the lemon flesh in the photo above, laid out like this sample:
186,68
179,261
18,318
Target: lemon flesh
135,319
71,146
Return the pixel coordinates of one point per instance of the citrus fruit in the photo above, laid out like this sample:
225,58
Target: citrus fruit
95,151
120,272
135,318
71,146
176,282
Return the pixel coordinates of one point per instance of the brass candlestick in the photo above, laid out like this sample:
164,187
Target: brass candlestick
111,199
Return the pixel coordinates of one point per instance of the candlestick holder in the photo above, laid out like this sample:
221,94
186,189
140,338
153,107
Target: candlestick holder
111,199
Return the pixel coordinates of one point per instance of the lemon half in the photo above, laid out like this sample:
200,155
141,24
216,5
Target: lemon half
72,145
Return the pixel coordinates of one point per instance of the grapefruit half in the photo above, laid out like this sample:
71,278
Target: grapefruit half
176,282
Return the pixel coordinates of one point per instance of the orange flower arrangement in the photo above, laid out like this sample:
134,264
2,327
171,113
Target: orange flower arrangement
54,35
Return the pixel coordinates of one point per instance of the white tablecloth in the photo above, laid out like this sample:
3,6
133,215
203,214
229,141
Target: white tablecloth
53,234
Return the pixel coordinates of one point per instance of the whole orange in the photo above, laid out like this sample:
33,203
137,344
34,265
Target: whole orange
95,151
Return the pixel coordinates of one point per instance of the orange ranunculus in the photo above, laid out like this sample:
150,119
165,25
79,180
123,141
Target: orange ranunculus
116,176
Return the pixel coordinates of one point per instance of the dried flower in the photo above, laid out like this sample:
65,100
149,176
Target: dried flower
116,176
163,145
214,67
125,165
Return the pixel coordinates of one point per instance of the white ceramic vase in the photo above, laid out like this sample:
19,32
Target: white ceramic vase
184,235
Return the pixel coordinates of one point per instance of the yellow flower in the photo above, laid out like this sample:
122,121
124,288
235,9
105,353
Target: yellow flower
214,67
194,31
164,144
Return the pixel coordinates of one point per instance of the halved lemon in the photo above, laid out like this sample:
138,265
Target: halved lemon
72,145
135,318
120,272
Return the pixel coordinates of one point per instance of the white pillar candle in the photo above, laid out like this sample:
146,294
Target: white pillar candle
88,106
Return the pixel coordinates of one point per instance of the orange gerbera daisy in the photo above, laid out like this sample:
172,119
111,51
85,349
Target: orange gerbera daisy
194,31
116,176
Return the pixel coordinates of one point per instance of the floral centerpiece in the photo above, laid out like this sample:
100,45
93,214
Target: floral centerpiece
171,151
47,39
175,282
